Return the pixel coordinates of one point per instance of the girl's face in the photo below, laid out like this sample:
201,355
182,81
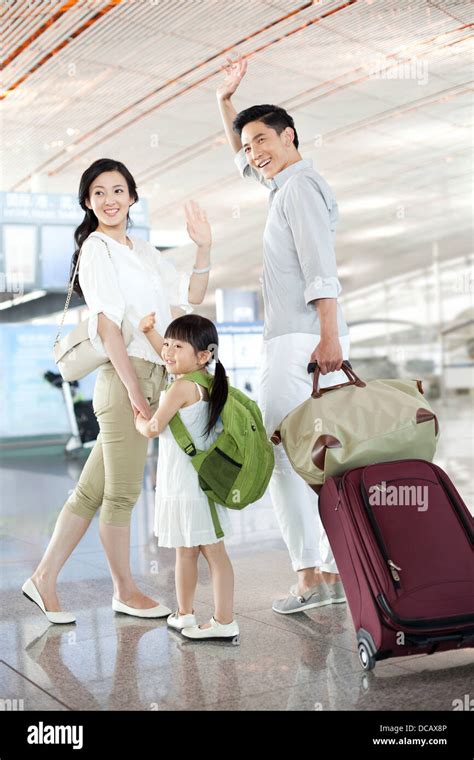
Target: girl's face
180,357
110,199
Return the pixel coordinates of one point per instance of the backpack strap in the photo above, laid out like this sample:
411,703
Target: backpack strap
186,443
176,424
181,435
203,378
215,519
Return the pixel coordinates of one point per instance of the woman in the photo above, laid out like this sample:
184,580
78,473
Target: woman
119,277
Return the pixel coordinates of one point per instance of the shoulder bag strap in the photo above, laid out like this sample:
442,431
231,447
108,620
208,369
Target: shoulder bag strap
71,285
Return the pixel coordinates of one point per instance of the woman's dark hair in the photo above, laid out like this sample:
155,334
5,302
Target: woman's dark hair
90,221
201,333
273,116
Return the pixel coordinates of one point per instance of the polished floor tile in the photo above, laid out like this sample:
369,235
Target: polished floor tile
387,688
20,693
105,661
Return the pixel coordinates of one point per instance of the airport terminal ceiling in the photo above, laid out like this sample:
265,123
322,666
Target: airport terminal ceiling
380,92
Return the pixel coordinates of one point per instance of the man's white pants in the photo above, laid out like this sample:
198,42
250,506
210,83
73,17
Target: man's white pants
284,384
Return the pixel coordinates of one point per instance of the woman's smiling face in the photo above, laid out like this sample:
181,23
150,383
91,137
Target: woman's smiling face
109,199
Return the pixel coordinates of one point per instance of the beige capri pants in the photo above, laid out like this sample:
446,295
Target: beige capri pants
112,477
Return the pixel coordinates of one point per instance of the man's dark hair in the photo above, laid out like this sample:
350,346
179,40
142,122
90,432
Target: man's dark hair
273,116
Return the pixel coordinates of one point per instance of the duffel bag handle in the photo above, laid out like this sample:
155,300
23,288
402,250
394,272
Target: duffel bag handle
346,368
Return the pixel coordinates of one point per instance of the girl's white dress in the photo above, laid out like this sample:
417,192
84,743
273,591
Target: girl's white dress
182,512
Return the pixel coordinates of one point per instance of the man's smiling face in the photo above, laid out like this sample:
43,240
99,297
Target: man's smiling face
266,150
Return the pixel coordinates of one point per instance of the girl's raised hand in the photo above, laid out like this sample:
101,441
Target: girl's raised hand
197,225
147,323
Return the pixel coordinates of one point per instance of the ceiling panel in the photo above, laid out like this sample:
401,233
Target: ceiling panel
381,93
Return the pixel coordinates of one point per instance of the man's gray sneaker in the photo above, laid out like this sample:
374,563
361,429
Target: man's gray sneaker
336,591
317,596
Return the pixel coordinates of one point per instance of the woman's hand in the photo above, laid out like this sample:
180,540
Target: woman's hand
235,71
139,403
197,225
147,323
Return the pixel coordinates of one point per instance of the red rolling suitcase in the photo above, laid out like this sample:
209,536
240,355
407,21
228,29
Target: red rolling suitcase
403,540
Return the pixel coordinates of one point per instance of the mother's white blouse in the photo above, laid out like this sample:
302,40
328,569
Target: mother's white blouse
130,283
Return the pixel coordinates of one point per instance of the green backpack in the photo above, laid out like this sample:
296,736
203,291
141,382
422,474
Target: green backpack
236,469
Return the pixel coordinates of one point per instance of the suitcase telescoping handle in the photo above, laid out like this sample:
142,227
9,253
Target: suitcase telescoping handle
346,367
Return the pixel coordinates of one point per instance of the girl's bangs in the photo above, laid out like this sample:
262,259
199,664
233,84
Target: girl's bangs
180,331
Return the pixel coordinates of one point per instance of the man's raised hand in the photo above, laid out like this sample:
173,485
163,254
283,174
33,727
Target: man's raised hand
235,71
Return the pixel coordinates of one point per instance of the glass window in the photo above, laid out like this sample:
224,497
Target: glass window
19,245
57,247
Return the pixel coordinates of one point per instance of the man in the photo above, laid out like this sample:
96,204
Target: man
302,321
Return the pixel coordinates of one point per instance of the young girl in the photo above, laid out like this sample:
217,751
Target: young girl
182,515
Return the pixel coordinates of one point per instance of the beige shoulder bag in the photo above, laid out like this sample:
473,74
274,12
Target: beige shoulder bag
75,356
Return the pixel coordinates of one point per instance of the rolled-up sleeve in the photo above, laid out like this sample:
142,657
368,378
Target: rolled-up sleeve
176,284
100,286
308,218
245,170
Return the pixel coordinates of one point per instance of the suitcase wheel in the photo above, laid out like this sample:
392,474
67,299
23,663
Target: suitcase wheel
366,658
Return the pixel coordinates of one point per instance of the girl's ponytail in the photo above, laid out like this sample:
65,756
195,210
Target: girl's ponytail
217,396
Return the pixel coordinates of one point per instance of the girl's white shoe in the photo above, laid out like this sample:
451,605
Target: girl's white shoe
181,621
159,611
31,592
216,631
